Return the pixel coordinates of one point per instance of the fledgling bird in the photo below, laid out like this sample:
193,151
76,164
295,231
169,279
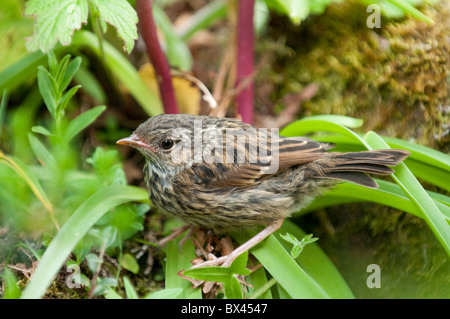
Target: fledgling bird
222,174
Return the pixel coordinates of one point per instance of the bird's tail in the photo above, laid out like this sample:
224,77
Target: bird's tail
354,166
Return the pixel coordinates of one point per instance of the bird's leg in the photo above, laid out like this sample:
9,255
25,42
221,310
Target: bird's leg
227,260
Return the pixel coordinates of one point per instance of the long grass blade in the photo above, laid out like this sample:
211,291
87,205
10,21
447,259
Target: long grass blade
73,231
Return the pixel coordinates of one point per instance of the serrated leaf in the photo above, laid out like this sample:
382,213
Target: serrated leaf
82,121
121,15
55,20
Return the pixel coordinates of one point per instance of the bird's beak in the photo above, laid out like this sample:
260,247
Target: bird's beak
135,141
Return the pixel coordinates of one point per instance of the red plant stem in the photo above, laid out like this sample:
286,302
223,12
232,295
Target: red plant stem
148,30
245,59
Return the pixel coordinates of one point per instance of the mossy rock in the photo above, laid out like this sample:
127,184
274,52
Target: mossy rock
396,78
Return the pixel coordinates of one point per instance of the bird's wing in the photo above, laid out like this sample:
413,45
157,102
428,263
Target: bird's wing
251,164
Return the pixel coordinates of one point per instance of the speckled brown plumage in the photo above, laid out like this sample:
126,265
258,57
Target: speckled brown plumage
231,184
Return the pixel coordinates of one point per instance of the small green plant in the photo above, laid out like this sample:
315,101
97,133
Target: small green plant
224,275
58,183
298,245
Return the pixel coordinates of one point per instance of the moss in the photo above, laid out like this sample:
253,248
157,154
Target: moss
391,77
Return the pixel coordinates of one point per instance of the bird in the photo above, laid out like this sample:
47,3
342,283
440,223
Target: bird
222,174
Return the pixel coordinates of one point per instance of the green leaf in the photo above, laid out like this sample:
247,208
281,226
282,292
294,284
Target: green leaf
55,20
318,6
123,70
202,18
90,84
42,154
111,294
82,121
225,275
47,89
60,69
422,153
388,194
74,229
27,175
52,62
129,289
218,273
317,123
122,16
409,9
317,264
296,10
11,288
65,100
277,261
104,286
130,263
298,245
261,16
41,130
177,258
68,74
425,205
168,293
178,52
109,235
25,69
93,261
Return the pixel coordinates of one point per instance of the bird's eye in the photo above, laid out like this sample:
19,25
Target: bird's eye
167,144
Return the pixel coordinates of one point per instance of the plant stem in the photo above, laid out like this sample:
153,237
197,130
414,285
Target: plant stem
258,293
148,29
101,255
245,59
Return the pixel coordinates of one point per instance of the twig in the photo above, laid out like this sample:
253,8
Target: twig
97,271
148,29
245,59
